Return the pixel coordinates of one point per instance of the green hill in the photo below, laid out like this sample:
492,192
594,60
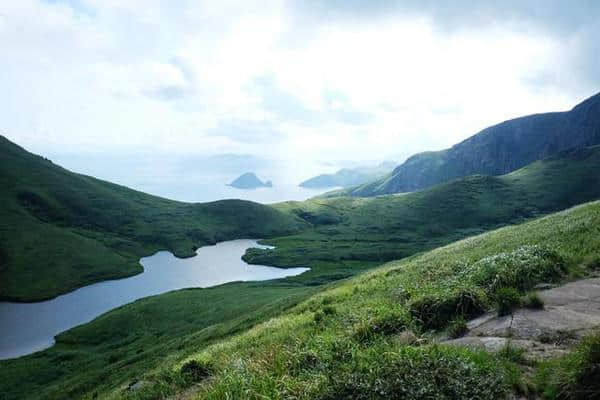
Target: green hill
149,339
60,230
350,233
368,338
365,338
496,150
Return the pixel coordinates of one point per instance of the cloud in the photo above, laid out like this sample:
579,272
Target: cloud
247,131
297,80
575,24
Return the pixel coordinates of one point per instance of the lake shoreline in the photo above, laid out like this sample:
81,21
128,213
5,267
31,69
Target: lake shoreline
35,325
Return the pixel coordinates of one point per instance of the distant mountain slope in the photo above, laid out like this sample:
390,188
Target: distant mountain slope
60,230
496,150
347,177
383,228
249,181
347,235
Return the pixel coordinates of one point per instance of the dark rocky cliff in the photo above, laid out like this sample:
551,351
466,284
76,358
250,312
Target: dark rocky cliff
496,150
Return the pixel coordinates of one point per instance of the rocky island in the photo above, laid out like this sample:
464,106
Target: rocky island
249,180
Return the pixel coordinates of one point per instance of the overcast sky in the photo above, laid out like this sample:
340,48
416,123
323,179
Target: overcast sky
288,80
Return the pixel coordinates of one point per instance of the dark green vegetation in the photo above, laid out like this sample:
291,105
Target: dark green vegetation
249,181
575,376
496,150
533,300
120,346
371,337
365,338
347,177
368,337
60,230
355,233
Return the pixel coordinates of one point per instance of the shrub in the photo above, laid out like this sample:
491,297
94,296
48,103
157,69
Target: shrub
329,310
522,268
434,311
507,299
457,327
196,370
575,375
319,316
533,300
387,321
512,353
414,373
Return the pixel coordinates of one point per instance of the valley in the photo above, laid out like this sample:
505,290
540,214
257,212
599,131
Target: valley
324,303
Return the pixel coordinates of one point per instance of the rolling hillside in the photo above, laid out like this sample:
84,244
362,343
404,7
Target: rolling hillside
350,233
60,230
496,150
148,340
366,338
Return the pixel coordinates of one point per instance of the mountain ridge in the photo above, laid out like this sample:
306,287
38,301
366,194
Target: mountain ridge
60,230
496,150
347,177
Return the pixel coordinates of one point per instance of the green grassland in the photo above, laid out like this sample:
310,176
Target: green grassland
121,345
88,230
370,337
350,234
60,230
363,335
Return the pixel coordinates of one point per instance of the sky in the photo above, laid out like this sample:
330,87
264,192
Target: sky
305,86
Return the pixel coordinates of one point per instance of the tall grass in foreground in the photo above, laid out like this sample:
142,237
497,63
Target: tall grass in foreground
350,341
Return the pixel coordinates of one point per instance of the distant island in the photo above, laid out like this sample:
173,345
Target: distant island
249,181
348,177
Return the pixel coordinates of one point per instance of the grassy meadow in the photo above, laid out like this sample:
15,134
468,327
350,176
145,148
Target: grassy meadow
60,230
371,337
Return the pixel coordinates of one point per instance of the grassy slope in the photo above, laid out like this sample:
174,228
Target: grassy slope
121,345
349,236
350,341
356,233
496,150
60,230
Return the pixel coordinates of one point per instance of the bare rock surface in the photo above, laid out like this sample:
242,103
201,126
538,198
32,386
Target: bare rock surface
570,312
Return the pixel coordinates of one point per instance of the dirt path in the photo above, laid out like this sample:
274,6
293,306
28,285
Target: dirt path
571,311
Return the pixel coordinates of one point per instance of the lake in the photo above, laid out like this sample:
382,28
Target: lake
30,327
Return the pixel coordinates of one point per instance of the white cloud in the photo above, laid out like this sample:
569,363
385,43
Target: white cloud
263,78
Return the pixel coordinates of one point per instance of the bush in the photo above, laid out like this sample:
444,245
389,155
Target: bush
415,373
533,301
319,316
196,370
575,375
329,310
507,299
457,328
522,268
512,353
387,321
434,311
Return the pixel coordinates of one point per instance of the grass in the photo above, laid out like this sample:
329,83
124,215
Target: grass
351,234
323,346
60,230
575,376
349,340
533,301
506,299
120,346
